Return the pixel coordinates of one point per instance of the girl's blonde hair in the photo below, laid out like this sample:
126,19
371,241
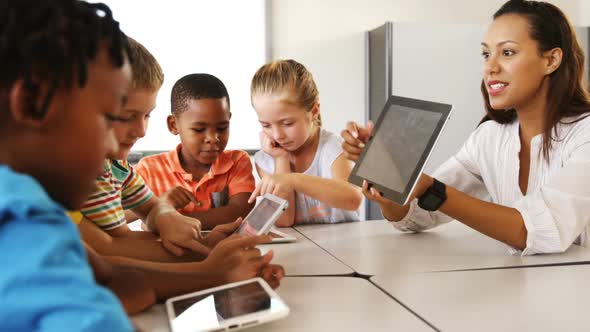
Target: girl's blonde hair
288,76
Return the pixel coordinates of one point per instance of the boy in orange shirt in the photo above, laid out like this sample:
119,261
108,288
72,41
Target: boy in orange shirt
200,178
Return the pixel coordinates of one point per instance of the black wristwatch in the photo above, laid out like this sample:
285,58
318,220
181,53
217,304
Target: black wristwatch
434,197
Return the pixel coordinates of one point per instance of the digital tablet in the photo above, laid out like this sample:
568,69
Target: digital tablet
229,307
277,236
263,216
401,142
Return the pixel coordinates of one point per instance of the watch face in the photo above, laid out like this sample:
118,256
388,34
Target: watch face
431,201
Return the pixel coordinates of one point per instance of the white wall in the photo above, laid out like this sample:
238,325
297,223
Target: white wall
327,37
448,72
583,13
225,38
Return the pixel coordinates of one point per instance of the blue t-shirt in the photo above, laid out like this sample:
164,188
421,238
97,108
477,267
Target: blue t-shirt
46,283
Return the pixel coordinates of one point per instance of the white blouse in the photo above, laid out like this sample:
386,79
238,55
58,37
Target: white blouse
556,208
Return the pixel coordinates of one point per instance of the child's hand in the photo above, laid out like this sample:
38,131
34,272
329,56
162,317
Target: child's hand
236,258
273,274
271,147
220,232
178,232
179,197
355,138
275,184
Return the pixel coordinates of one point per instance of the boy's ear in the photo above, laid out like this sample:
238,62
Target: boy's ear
172,125
23,104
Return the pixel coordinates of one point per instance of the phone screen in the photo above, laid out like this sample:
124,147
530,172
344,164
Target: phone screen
210,310
258,217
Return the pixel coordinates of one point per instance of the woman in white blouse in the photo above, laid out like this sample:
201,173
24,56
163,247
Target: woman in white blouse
532,158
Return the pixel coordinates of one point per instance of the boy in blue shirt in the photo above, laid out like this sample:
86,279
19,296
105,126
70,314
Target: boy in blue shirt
64,76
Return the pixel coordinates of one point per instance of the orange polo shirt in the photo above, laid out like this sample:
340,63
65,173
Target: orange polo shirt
229,175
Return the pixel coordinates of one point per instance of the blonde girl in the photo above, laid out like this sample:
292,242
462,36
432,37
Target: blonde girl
299,160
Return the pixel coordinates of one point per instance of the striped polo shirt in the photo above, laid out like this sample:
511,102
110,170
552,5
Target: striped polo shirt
119,188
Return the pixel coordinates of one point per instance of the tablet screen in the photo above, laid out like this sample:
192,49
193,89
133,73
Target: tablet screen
212,309
258,217
398,146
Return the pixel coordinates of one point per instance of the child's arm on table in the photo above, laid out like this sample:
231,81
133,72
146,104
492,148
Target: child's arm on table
139,283
178,232
139,245
237,206
337,192
131,286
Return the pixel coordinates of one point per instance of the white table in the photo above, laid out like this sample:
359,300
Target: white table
304,258
152,320
548,298
300,258
375,247
323,304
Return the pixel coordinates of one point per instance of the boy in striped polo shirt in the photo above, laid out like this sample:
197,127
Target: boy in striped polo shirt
119,188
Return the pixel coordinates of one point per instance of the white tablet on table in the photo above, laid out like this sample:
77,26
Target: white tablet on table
277,236
401,142
280,237
233,306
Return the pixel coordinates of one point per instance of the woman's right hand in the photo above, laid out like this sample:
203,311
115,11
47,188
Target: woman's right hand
390,210
268,145
355,137
374,195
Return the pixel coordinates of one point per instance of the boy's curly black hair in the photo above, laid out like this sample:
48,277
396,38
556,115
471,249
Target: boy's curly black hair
53,41
196,86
